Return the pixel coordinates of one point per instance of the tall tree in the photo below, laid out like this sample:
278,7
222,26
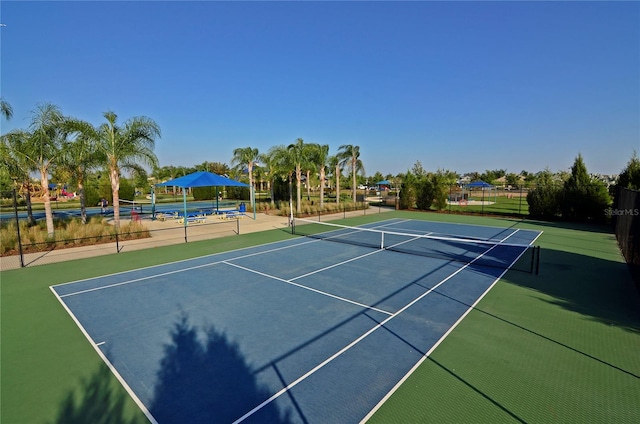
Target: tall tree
39,148
124,147
584,197
298,157
16,166
320,157
334,165
309,165
628,178
6,110
284,166
78,157
268,161
246,156
349,155
630,175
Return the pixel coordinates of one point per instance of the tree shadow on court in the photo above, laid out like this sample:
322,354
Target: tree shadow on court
206,381
97,401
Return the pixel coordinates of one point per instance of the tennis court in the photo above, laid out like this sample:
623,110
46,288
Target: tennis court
303,330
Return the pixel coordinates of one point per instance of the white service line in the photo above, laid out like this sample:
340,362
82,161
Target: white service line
289,246
136,280
444,336
111,367
309,288
359,339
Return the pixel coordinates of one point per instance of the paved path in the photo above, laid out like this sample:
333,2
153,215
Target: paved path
167,233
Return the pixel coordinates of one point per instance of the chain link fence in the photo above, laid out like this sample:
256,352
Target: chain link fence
626,218
24,245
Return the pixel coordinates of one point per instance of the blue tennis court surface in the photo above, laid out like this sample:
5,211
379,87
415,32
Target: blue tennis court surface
301,331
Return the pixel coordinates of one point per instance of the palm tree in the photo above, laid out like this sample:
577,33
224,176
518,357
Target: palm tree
283,165
16,166
320,157
349,155
334,163
78,157
298,157
124,147
270,163
39,148
5,109
246,156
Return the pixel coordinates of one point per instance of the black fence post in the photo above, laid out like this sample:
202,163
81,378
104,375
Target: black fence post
117,243
520,204
15,210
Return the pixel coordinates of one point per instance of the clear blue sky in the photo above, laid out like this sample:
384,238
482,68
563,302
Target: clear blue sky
465,86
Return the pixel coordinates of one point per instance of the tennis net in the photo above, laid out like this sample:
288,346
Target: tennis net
478,252
133,206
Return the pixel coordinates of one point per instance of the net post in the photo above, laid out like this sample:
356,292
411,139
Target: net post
382,240
533,260
293,226
538,261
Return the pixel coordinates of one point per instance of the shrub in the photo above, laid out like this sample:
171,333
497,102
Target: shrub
425,193
584,198
544,201
69,233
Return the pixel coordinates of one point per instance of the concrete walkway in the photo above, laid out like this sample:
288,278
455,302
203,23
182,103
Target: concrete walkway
170,232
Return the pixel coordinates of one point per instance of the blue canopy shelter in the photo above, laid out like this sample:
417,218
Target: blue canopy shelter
479,184
201,179
383,183
482,185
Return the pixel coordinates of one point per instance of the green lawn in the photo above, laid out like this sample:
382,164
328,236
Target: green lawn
515,206
559,347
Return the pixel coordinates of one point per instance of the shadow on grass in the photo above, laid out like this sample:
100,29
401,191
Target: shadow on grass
578,226
207,381
594,287
98,402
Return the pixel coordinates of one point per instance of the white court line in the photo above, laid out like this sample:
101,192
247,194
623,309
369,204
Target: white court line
359,339
111,367
348,260
136,280
362,305
444,336
184,260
